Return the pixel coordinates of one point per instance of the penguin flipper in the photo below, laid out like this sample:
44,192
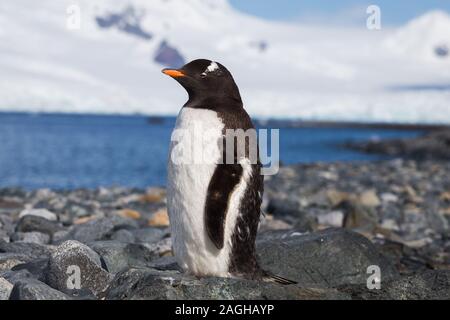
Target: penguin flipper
221,186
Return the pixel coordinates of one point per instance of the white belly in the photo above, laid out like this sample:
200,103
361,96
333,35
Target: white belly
187,187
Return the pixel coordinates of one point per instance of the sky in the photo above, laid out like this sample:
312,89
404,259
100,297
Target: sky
346,12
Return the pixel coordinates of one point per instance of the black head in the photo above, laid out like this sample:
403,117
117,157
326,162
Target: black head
208,84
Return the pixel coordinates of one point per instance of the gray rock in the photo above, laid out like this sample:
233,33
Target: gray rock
72,254
9,260
4,236
99,229
149,235
436,221
165,263
37,268
31,223
80,294
152,284
123,235
32,289
6,224
31,237
43,213
30,250
10,205
5,289
77,209
118,256
60,236
161,248
357,217
16,276
324,259
284,207
428,285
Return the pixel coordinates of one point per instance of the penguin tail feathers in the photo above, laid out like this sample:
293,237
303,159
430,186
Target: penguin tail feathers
277,279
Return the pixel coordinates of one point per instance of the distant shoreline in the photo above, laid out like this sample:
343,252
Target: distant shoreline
357,125
263,122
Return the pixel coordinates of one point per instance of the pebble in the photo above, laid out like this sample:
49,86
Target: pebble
9,261
128,213
31,237
43,213
159,219
369,198
153,195
388,197
332,219
32,223
5,289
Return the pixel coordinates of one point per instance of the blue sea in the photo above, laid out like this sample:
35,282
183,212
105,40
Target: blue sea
66,151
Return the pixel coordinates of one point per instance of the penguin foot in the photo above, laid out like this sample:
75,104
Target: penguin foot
277,279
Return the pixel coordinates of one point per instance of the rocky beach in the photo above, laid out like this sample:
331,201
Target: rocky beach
325,226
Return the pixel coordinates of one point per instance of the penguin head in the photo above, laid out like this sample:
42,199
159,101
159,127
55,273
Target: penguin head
204,81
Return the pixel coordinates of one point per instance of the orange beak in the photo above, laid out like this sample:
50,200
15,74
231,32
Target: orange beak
173,73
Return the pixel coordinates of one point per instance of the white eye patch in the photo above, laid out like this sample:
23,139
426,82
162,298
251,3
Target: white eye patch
212,67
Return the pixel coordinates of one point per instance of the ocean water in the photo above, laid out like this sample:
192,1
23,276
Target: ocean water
89,151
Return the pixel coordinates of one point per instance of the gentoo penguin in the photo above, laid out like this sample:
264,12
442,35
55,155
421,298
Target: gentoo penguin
213,205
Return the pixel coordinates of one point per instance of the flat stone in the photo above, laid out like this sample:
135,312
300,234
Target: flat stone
123,235
31,237
99,229
32,289
149,235
37,268
118,256
43,213
129,213
323,259
16,276
148,284
30,250
427,285
32,223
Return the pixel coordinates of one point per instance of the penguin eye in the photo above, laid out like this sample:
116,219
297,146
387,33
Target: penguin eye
203,75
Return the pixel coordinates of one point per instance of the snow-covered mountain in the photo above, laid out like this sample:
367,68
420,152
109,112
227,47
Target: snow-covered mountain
112,63
426,38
